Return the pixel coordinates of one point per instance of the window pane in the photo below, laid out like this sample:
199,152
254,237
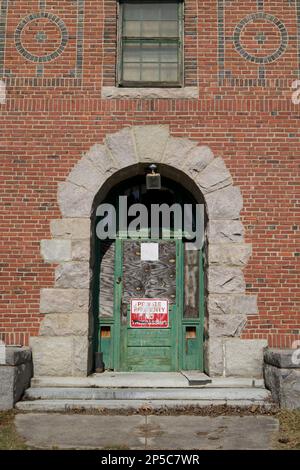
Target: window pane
169,72
132,28
150,52
150,11
150,29
169,53
132,52
131,72
150,72
169,28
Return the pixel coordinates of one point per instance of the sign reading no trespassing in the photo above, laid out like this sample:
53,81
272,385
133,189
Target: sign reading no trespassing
149,313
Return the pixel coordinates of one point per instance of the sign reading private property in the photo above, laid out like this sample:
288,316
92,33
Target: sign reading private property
149,313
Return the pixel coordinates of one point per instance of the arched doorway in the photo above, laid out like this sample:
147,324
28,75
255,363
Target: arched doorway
149,290
66,343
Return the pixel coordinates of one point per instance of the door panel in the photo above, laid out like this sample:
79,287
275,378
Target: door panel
148,349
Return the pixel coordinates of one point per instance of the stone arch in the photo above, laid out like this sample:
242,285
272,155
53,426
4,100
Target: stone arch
64,344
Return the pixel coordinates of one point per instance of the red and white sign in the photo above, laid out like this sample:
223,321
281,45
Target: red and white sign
149,313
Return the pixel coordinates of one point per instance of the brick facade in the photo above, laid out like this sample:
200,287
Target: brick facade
55,57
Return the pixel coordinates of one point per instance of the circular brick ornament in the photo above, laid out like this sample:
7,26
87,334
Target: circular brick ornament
45,50
256,58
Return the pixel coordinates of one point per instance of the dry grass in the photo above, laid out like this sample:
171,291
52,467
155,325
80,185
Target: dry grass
9,439
289,432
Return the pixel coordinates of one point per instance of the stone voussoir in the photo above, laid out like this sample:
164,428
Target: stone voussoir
215,176
55,300
230,254
71,228
74,201
102,160
226,325
151,142
225,231
232,304
197,160
65,324
80,250
73,274
56,251
225,203
225,280
85,174
176,151
121,145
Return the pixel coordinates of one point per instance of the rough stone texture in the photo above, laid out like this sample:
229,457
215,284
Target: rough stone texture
225,231
65,324
232,304
283,358
15,376
225,280
111,92
102,160
214,356
17,355
85,174
231,254
55,251
226,325
2,92
176,151
64,300
284,385
151,142
121,145
198,159
71,228
74,201
214,176
244,357
225,203
80,355
52,355
81,250
75,274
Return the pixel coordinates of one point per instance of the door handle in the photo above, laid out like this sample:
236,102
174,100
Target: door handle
119,280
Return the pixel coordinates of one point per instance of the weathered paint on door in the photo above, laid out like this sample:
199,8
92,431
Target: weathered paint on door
176,276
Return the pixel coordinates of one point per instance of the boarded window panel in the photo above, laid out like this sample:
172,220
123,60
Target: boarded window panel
106,297
191,284
149,279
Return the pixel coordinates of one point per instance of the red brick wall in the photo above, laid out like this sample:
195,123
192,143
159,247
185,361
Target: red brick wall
48,121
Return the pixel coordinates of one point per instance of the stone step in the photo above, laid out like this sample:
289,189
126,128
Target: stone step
45,393
144,380
101,405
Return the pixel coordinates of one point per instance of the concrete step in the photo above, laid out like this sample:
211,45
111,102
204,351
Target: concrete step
186,394
101,405
144,380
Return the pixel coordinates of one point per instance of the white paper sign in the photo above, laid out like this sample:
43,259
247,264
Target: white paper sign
2,353
149,252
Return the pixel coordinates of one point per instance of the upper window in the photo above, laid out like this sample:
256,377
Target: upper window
150,43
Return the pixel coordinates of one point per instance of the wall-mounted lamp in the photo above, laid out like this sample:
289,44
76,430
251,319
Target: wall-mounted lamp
153,180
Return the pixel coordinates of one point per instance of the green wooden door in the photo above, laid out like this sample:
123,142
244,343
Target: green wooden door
173,347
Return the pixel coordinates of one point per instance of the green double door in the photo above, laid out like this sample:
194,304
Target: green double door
157,321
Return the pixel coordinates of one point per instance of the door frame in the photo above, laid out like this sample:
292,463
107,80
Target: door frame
179,341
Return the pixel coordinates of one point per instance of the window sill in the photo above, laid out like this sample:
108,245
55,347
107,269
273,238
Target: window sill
111,92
